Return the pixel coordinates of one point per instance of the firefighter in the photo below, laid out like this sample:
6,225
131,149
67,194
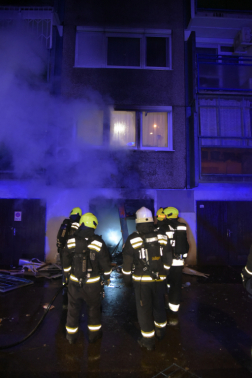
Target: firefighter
150,254
67,228
169,222
86,257
246,273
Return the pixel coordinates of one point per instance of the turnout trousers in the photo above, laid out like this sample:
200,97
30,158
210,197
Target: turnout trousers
90,293
150,309
64,291
174,279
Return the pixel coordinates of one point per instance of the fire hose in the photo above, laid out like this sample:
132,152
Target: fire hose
40,321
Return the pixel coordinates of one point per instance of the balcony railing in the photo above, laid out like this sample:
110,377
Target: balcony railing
224,73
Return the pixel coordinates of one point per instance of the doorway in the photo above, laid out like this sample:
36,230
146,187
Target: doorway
116,219
22,231
224,232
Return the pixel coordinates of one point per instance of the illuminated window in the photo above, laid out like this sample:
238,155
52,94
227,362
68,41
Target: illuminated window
90,127
154,130
142,49
123,128
144,130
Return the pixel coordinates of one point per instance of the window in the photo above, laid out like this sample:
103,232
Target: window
145,130
123,128
225,135
141,49
90,127
123,52
226,122
154,130
157,52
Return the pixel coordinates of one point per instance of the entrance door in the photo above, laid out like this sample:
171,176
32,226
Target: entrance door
116,218
224,232
22,231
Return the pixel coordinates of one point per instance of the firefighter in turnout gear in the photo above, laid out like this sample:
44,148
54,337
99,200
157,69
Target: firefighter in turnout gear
146,259
246,273
176,231
86,257
67,228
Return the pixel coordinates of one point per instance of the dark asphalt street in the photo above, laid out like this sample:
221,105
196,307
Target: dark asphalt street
213,338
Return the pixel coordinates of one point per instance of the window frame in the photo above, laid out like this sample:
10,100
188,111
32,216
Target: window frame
244,138
139,126
142,34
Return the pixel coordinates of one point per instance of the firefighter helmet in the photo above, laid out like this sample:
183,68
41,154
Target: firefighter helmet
89,220
171,212
160,214
76,210
144,215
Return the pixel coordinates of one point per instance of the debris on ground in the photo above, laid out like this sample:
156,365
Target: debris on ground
8,282
193,272
31,265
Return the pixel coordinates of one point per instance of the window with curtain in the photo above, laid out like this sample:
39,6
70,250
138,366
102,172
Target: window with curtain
90,127
154,129
229,124
123,128
229,119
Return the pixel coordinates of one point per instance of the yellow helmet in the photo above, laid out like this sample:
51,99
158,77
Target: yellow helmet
89,220
76,210
160,214
171,212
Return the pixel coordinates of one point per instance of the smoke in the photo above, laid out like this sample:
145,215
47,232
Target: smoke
39,131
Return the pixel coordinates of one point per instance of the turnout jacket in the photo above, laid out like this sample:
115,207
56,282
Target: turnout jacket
86,257
147,255
176,232
67,228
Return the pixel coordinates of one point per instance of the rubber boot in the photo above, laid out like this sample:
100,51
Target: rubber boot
148,343
160,332
94,336
71,338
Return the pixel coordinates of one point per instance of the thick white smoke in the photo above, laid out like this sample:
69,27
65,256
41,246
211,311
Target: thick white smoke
38,129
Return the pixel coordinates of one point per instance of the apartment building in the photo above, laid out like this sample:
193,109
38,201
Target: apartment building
218,40
102,126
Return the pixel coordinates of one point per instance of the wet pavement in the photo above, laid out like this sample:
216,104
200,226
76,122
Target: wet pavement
213,337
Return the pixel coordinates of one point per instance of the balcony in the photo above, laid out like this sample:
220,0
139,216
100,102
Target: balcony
224,73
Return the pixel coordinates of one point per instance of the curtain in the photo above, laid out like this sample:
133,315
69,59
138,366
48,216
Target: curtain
123,128
155,127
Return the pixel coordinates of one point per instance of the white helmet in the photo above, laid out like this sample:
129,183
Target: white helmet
144,215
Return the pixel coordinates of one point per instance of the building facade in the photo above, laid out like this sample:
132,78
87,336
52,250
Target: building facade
109,117
218,40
